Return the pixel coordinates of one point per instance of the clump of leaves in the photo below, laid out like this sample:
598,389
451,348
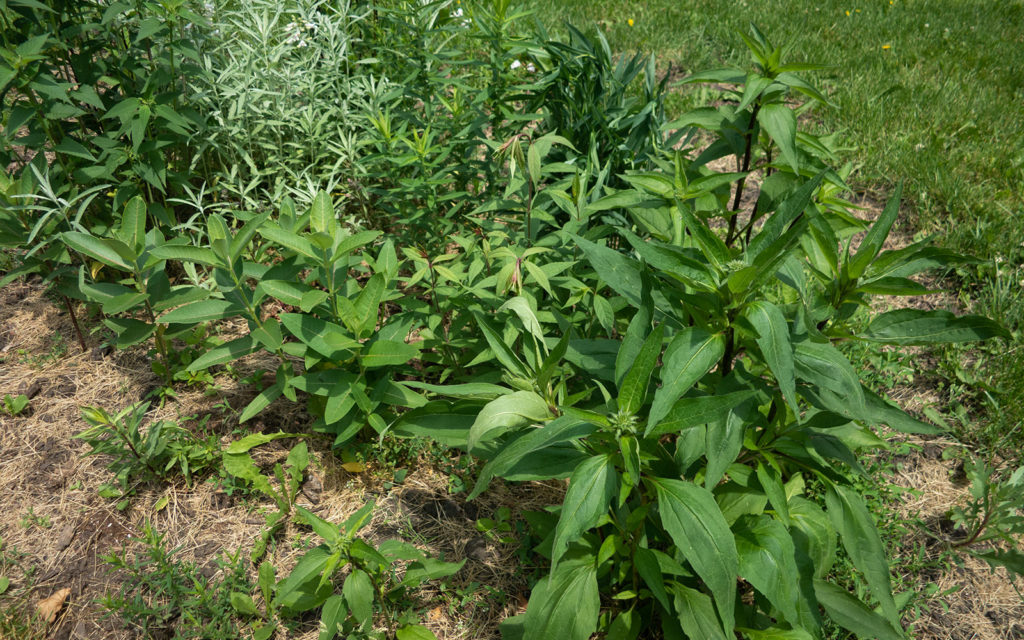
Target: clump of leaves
371,590
160,451
161,594
15,405
992,520
238,463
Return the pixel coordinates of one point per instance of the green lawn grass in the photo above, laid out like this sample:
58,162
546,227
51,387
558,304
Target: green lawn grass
929,93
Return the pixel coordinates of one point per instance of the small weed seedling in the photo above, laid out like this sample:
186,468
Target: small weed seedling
238,463
17,405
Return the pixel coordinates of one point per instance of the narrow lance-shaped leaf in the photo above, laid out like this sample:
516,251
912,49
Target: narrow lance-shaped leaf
774,342
860,538
780,123
592,487
875,238
636,333
690,355
633,390
850,613
693,519
918,327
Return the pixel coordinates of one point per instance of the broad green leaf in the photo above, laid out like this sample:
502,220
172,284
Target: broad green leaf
184,253
692,518
852,614
859,535
768,561
560,430
780,123
124,302
302,589
564,605
822,365
690,355
620,272
109,251
633,390
690,412
507,412
917,327
203,311
446,422
256,439
424,569
326,338
133,224
415,632
354,241
722,445
383,353
224,353
696,614
332,616
592,486
366,307
774,342
287,292
321,214
129,331
242,603
289,240
178,296
358,593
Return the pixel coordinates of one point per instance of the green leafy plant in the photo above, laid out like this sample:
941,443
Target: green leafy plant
988,525
161,450
238,463
15,405
163,594
371,587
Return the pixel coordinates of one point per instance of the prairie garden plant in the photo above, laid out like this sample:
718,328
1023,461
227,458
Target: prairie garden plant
535,268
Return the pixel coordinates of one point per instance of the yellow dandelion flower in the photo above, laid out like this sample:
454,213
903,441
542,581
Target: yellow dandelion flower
630,22
886,47
847,14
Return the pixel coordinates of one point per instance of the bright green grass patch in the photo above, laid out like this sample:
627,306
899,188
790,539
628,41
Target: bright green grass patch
929,93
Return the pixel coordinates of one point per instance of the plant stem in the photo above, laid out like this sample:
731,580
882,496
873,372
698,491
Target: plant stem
74,321
730,236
